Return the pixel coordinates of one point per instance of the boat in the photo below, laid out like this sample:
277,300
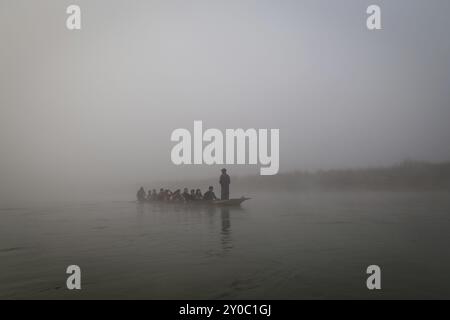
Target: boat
220,203
229,202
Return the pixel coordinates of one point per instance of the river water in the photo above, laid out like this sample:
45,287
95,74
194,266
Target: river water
277,246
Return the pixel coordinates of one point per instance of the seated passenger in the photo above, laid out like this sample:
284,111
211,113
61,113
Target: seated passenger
186,195
176,196
141,194
209,195
198,195
161,195
193,194
167,195
154,195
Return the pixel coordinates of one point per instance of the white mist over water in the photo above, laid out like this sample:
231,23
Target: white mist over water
88,112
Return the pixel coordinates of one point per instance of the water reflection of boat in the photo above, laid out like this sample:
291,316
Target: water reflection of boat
220,203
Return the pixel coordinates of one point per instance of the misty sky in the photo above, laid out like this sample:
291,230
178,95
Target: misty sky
94,109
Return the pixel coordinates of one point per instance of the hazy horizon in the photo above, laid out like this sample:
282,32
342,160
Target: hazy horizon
92,111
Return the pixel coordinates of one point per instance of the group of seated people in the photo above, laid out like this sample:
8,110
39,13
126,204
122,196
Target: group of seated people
165,195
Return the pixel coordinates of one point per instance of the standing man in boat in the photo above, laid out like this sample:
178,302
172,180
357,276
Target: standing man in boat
225,185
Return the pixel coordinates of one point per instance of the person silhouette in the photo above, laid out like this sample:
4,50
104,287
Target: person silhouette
141,194
225,185
209,195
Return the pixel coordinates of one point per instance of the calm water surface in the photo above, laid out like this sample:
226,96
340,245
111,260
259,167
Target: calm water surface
277,246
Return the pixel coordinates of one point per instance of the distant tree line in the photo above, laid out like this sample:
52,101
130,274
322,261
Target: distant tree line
408,175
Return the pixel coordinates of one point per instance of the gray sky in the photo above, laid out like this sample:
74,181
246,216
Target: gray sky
94,109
